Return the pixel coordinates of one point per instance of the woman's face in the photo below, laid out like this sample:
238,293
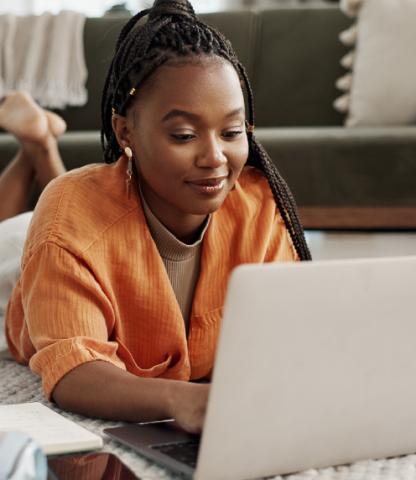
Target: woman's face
187,133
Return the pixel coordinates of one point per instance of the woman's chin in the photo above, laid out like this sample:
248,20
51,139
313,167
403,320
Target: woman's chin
205,206
205,202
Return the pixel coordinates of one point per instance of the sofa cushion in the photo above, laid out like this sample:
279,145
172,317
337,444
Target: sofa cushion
323,166
346,167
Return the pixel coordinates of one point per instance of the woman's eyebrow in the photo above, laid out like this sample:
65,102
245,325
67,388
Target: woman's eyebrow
193,116
180,113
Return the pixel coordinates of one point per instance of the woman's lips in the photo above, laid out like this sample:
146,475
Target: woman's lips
208,186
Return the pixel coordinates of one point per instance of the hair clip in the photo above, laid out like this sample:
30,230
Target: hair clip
132,91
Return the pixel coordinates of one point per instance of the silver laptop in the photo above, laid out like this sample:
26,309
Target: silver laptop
316,366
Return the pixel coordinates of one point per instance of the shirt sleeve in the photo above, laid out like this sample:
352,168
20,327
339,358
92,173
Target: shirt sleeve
68,316
280,247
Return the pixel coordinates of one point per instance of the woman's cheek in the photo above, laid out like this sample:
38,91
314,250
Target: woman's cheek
240,156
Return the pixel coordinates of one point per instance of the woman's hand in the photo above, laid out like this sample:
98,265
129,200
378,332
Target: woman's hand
188,403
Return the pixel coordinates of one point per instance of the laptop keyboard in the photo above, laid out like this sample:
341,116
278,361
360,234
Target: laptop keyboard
184,452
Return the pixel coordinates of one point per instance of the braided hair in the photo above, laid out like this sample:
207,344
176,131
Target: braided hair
172,32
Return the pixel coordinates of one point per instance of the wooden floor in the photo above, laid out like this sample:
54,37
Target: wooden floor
323,217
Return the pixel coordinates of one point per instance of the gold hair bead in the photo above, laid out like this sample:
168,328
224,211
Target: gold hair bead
132,91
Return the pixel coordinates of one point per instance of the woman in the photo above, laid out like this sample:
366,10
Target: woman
125,268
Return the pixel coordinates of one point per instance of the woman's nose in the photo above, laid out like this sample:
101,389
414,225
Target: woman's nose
211,155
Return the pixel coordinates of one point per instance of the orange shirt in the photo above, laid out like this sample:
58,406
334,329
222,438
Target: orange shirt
93,285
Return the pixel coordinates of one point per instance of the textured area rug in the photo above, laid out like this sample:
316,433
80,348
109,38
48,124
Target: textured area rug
18,384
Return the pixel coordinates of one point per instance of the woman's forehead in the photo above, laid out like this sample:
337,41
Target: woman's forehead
193,84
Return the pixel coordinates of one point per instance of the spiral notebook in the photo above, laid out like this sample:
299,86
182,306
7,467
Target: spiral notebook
54,433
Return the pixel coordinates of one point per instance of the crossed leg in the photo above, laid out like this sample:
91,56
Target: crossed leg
38,157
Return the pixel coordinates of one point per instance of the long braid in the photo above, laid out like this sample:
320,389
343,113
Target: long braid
284,198
281,192
170,33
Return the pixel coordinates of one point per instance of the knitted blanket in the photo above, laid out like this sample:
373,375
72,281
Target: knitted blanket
44,55
18,384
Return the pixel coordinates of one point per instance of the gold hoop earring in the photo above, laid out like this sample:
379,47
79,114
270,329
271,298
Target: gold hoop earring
129,171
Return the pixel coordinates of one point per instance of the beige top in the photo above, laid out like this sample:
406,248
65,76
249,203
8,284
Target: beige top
181,260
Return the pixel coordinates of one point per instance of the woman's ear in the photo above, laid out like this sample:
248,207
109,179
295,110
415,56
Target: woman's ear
121,130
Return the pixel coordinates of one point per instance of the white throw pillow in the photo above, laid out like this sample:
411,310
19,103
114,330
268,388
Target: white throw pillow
382,90
12,239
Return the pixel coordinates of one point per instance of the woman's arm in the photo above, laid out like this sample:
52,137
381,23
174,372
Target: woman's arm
70,318
100,389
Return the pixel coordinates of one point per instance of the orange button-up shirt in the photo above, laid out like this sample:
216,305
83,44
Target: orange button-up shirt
93,285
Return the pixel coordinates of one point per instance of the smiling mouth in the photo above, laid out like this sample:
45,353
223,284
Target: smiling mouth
209,185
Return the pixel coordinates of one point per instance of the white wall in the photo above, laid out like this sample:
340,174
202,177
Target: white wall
93,8
19,7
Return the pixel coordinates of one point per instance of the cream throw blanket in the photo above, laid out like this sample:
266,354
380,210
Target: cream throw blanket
44,55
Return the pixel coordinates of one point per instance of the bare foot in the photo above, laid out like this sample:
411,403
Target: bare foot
56,124
23,118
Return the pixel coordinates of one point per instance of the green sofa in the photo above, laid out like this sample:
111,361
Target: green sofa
360,178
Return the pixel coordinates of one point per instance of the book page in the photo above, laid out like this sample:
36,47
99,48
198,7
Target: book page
53,432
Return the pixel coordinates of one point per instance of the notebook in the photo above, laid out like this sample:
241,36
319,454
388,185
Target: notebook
54,433
315,367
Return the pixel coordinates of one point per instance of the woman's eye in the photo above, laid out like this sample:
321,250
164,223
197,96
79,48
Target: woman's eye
232,133
182,137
